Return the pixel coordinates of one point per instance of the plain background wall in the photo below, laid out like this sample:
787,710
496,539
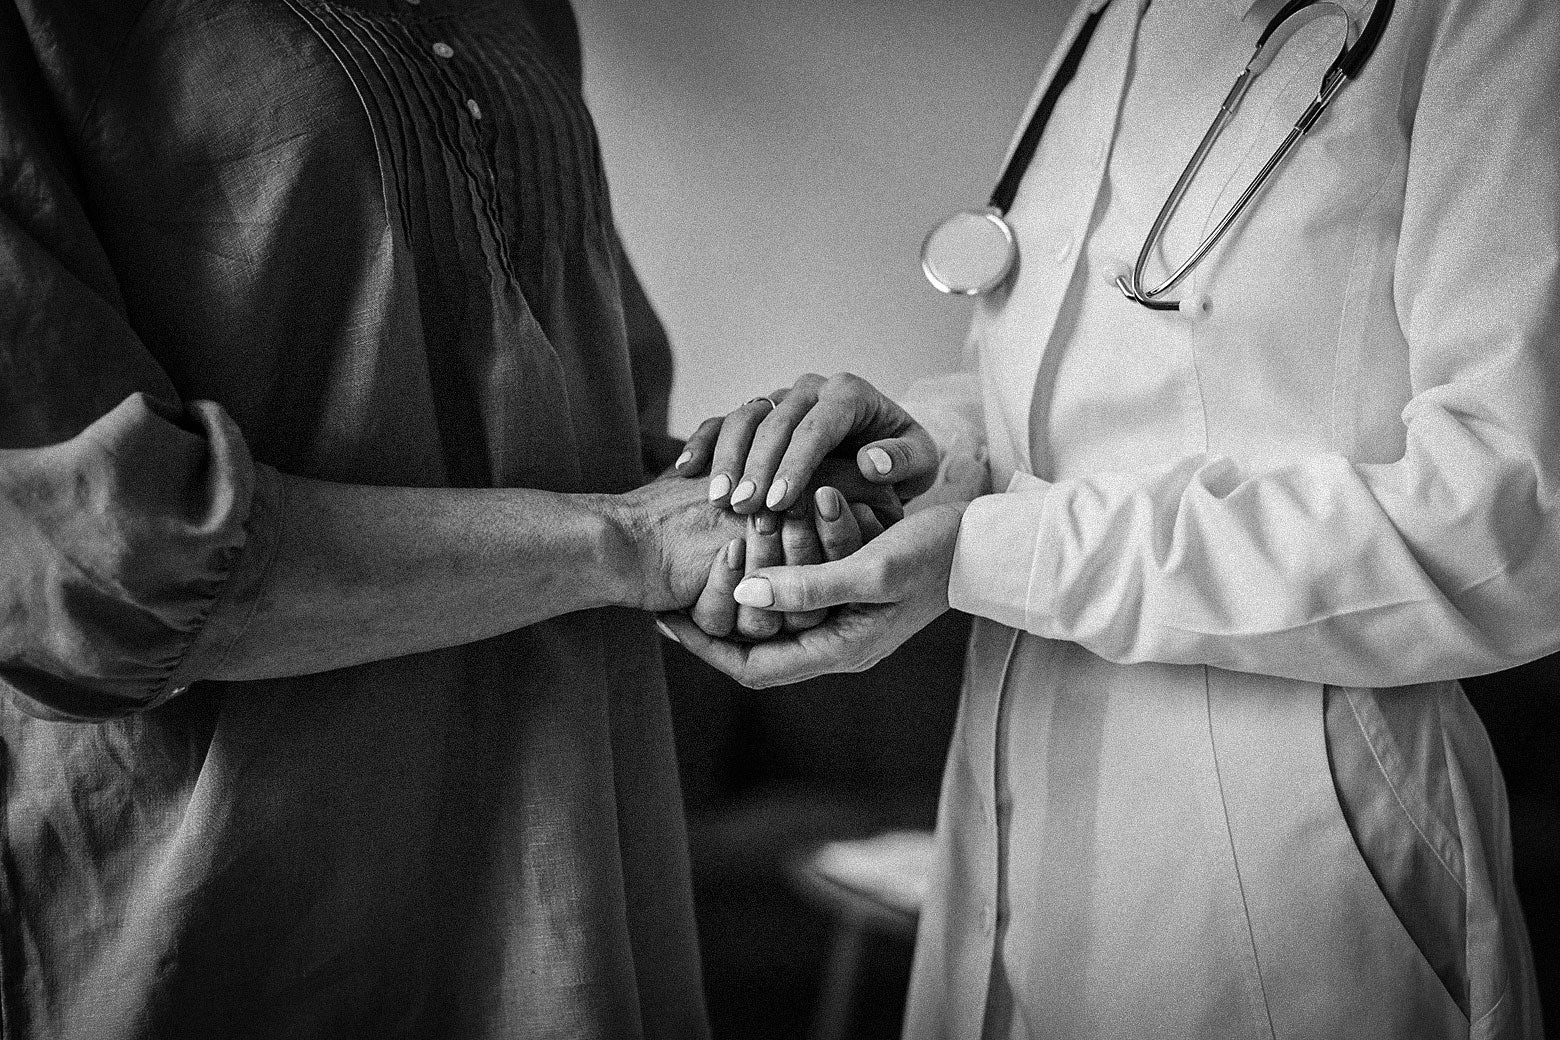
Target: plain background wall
775,164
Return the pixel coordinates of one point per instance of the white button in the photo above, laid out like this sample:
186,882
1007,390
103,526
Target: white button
443,50
474,108
1064,248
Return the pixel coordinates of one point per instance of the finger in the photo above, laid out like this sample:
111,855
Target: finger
842,475
770,441
909,462
802,547
838,532
700,448
868,520
731,447
715,611
823,428
855,579
764,549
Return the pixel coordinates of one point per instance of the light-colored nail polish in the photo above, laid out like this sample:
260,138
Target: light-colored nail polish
754,592
777,492
683,460
719,486
880,460
743,492
766,523
734,553
666,631
828,501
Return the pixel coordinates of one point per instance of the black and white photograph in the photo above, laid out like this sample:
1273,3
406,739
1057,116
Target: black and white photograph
802,520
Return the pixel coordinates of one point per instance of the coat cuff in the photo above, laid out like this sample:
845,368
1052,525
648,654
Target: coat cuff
1002,565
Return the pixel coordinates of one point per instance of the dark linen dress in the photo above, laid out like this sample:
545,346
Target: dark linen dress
367,242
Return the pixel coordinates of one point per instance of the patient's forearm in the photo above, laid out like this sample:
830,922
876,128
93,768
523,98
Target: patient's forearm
366,573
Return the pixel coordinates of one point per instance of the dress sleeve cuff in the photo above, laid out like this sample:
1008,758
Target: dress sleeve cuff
229,613
1001,568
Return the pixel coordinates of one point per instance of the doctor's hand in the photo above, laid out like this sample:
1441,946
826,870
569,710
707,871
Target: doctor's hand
767,453
887,591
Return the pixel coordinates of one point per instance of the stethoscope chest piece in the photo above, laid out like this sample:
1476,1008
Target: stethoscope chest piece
969,253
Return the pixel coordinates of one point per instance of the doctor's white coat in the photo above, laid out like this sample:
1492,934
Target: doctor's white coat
1213,774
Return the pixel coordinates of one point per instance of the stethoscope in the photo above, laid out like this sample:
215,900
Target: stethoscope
975,251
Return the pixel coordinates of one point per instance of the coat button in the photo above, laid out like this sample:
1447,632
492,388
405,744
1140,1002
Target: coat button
443,50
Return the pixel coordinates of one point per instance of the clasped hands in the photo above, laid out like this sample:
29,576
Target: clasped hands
829,576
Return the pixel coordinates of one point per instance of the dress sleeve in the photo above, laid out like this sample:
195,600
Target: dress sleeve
133,525
1441,565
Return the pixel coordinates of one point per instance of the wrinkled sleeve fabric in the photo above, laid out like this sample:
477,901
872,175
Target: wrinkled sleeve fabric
133,526
1443,564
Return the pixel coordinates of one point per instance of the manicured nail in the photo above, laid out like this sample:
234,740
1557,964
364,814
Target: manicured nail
734,553
777,492
719,486
880,460
683,459
754,592
766,523
744,492
828,501
667,632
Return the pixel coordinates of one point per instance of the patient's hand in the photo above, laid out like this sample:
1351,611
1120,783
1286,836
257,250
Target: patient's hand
831,530
769,456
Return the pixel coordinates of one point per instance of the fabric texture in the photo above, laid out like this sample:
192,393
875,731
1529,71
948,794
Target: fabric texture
1213,774
366,242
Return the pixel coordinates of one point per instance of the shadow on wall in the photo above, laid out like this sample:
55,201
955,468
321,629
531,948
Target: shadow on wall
774,167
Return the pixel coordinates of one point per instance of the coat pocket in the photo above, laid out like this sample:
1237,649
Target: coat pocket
1335,959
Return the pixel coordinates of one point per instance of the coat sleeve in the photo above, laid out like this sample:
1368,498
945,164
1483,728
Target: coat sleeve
133,525
1443,564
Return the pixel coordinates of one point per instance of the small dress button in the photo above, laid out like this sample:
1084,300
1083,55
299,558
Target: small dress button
443,50
474,108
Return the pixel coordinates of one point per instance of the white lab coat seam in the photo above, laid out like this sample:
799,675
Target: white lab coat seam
1229,836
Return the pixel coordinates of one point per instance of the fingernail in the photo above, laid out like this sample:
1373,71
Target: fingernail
828,503
667,632
683,460
734,553
880,460
719,486
744,492
766,523
777,492
754,592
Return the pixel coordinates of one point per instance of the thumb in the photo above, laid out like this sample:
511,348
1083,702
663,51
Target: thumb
809,587
909,459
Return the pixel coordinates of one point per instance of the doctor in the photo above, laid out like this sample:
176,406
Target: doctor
1214,775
